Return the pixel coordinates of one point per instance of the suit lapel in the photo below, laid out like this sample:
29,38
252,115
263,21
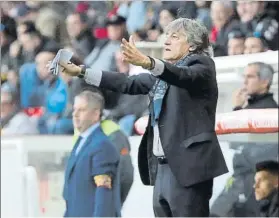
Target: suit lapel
73,157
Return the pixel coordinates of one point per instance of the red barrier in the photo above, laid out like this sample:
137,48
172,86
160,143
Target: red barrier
242,121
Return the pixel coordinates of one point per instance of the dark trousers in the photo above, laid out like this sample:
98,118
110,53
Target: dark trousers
170,199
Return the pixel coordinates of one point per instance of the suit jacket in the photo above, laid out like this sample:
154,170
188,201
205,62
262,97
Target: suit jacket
186,122
83,198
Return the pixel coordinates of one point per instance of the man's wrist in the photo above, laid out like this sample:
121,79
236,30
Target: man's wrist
148,63
82,70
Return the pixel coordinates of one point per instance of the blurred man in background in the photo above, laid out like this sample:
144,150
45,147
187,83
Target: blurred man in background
255,18
82,39
222,15
91,186
254,44
255,94
13,120
236,42
266,187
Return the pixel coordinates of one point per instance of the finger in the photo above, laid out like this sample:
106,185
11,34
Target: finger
124,42
124,47
127,44
127,54
63,64
132,41
125,57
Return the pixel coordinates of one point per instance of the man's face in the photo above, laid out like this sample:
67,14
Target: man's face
252,83
165,18
247,10
6,104
84,115
253,45
74,25
175,47
115,32
42,59
28,42
219,14
265,183
21,28
235,46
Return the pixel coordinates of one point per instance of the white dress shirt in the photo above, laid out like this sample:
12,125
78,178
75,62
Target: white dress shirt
85,135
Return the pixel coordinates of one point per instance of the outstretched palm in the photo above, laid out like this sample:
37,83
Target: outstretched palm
132,55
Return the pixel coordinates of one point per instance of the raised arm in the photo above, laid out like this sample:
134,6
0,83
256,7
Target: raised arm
118,82
134,85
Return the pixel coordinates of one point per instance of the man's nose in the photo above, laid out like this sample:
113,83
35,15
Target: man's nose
74,114
167,41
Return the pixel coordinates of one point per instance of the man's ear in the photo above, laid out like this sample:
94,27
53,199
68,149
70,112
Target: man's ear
265,83
192,48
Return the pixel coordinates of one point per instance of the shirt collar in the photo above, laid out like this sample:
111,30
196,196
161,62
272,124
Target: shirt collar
87,132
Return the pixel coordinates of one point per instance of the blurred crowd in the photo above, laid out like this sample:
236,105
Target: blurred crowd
31,33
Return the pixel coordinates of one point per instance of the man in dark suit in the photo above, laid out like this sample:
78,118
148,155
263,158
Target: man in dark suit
91,179
179,152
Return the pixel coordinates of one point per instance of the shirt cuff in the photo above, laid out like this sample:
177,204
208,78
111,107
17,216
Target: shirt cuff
158,68
93,78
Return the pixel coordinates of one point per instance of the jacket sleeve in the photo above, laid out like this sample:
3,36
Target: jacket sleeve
104,172
118,82
199,69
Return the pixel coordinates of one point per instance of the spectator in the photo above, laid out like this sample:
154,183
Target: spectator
49,22
134,12
39,88
254,44
7,37
13,120
266,187
9,23
167,15
5,41
25,27
222,15
254,18
29,44
258,78
203,12
102,56
80,34
236,42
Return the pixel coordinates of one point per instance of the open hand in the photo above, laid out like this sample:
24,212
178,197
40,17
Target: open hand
70,68
132,55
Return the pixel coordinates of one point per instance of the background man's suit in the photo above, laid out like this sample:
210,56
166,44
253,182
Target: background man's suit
122,144
187,130
98,156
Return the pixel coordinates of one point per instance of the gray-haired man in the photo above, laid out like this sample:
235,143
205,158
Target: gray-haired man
255,94
179,152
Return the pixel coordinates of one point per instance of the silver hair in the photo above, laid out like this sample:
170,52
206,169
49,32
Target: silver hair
265,72
196,35
94,99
